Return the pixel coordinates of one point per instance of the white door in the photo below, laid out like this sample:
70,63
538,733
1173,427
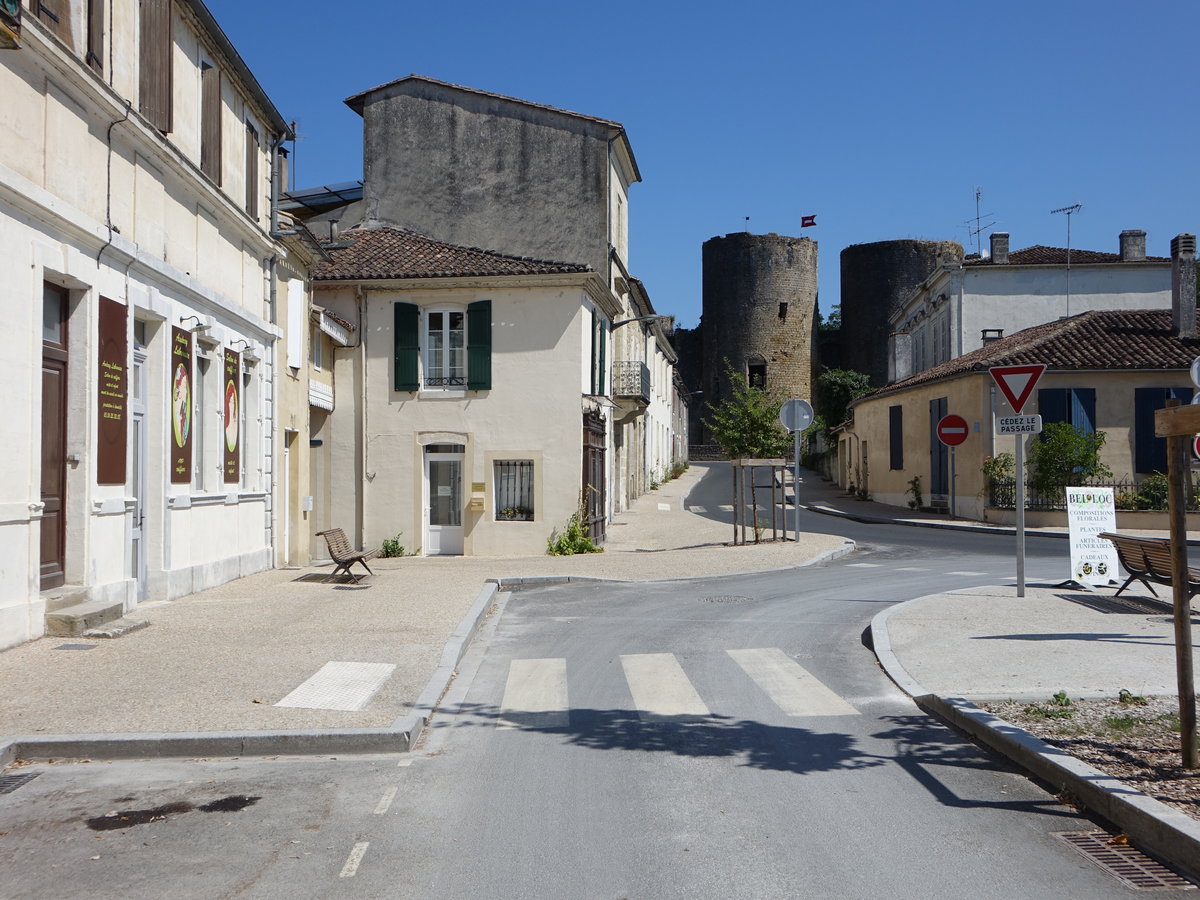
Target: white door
443,500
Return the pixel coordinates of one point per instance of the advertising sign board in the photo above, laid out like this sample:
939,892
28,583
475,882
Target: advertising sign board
1090,511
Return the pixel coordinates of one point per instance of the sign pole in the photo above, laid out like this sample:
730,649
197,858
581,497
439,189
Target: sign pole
1020,504
953,480
795,485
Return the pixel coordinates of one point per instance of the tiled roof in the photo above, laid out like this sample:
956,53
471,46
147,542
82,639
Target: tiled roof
387,253
1121,339
1039,255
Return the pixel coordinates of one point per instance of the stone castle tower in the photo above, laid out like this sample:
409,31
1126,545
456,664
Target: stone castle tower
759,309
876,279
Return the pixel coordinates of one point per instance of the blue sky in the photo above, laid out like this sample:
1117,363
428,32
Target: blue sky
879,118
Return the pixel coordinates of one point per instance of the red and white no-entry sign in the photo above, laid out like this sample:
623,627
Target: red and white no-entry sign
1016,383
952,430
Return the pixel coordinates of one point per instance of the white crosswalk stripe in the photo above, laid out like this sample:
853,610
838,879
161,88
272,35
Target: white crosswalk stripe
790,685
660,687
535,694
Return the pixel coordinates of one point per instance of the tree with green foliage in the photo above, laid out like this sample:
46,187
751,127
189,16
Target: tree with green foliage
1065,455
747,423
836,389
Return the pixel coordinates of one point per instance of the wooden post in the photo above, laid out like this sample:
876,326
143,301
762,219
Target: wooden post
1174,423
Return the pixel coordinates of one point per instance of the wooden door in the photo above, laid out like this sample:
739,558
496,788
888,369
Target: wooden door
54,435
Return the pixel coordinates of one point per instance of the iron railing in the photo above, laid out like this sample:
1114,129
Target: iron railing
1150,493
631,379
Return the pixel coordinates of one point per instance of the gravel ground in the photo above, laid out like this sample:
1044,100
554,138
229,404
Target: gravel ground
1134,739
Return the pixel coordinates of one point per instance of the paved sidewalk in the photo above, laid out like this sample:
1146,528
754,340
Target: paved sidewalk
218,661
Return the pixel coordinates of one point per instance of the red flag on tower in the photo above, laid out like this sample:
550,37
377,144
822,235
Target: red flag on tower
806,221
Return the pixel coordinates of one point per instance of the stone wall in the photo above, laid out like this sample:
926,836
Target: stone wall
876,279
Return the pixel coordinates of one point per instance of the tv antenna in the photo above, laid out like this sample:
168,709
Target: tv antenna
976,226
1070,211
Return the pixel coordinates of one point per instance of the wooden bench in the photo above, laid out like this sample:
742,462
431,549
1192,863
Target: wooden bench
343,555
1148,559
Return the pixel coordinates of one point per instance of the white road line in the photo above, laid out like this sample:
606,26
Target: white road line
796,691
385,802
910,569
726,507
354,859
665,507
697,509
863,565
535,693
340,685
660,688
405,762
967,573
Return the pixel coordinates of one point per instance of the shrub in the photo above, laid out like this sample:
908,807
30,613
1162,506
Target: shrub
574,538
392,546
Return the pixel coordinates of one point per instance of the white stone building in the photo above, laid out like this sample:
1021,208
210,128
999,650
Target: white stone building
143,286
962,305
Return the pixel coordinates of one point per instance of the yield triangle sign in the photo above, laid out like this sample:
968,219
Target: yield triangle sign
1017,382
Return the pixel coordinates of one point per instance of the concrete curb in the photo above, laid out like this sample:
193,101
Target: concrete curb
1159,829
881,643
398,738
960,525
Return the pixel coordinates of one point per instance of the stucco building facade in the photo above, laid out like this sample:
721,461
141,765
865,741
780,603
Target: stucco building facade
136,156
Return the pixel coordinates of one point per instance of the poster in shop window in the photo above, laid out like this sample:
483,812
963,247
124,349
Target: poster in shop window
1091,511
112,392
233,415
180,392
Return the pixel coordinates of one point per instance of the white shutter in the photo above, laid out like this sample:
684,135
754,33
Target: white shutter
297,323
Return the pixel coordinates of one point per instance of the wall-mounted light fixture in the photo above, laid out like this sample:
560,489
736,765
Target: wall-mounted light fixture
249,356
621,322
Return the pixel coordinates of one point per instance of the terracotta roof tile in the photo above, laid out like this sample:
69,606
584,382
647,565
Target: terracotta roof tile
1039,255
392,253
1123,339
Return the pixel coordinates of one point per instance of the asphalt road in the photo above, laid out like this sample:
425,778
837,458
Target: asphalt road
677,739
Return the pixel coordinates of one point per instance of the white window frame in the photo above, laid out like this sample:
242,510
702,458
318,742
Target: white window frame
428,373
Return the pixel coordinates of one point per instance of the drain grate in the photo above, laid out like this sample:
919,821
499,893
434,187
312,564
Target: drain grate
1124,861
9,783
727,598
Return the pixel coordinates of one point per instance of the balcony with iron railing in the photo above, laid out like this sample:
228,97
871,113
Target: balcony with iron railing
631,383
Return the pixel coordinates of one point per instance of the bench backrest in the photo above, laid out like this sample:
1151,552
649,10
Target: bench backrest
1129,551
1158,558
335,540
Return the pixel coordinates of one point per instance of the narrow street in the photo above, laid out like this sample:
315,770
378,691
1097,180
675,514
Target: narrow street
670,739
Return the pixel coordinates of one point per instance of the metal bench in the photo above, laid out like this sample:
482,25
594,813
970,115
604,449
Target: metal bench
1148,559
343,555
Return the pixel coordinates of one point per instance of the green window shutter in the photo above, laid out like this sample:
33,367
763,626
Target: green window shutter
603,360
406,330
479,345
595,358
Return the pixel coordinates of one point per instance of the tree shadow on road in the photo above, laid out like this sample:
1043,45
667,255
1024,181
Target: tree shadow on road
757,745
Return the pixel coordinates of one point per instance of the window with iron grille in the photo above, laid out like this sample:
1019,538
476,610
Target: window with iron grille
512,488
446,349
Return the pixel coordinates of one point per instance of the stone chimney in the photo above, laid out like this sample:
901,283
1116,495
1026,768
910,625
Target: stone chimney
1183,285
1000,248
1133,246
901,362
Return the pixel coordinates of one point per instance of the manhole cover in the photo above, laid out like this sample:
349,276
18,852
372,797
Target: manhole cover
727,598
9,783
1124,861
